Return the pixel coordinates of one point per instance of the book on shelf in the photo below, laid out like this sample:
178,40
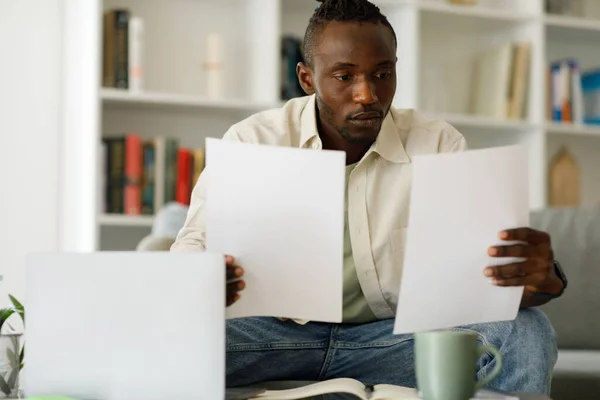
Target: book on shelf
140,176
122,49
564,91
590,86
291,55
502,80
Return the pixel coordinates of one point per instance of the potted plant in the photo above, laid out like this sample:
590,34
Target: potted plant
11,352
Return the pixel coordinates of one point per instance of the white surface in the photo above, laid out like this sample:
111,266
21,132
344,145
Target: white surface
574,129
578,362
483,12
459,204
110,326
115,96
486,123
574,28
284,228
125,220
30,117
78,159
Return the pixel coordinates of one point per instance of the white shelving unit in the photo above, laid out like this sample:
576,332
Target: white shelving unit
117,98
125,220
437,46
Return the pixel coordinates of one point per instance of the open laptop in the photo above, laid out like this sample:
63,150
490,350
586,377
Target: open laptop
125,325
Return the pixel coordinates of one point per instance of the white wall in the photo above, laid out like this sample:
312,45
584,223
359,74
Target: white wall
30,49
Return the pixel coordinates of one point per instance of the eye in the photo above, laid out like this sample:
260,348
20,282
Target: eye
342,77
383,75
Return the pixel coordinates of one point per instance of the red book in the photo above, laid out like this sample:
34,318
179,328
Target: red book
183,190
133,174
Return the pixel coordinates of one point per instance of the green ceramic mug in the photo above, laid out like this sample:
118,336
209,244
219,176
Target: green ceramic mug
445,364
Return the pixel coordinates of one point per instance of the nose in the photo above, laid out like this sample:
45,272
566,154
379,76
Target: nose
364,92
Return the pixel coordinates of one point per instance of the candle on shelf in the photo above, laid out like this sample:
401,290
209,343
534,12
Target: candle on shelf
136,54
213,66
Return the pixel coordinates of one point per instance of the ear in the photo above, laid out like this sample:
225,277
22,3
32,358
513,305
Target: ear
305,77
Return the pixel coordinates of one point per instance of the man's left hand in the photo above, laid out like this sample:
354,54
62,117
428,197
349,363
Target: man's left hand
536,271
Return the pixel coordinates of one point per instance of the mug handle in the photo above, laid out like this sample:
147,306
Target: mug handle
481,351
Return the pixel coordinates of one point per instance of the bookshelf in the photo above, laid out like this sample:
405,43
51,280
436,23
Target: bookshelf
438,46
125,220
116,98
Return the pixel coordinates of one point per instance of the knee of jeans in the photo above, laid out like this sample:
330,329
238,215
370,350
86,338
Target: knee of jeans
537,336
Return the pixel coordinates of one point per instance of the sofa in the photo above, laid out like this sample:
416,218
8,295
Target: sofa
575,234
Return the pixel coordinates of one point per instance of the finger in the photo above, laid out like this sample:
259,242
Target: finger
230,300
234,272
234,287
527,280
525,234
530,266
229,260
515,250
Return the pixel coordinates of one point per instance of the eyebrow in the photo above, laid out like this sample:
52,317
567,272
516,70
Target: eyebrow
348,64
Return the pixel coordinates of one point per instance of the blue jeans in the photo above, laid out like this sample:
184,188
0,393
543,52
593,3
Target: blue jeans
268,349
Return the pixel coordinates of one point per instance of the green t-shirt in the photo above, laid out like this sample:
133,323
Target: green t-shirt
356,309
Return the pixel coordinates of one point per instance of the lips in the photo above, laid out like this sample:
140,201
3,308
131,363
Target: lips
367,115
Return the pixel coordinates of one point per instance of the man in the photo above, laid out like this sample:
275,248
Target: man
349,76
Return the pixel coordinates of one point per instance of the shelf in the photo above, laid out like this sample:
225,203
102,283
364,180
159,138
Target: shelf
573,129
170,100
572,28
469,18
125,220
487,123
474,11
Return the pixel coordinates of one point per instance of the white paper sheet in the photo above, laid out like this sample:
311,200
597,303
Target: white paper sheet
125,325
459,204
280,212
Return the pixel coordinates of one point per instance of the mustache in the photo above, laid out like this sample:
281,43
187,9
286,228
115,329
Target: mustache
376,113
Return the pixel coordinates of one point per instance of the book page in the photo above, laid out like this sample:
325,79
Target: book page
459,204
382,392
340,385
280,212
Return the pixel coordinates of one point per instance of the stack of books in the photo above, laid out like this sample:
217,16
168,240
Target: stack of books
139,176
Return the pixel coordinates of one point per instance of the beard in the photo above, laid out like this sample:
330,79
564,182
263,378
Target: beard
326,113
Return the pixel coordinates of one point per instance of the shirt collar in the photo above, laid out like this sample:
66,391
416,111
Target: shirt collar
308,122
388,143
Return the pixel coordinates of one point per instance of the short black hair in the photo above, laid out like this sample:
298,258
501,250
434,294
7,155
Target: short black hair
340,11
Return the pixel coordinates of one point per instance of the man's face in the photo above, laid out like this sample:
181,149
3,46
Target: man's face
354,78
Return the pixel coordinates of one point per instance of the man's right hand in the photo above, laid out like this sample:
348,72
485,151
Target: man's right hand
234,273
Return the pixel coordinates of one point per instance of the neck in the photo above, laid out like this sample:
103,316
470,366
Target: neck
332,140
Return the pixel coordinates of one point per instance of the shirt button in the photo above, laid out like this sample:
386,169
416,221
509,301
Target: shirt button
315,145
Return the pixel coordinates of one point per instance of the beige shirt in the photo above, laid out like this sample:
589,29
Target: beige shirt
355,309
378,188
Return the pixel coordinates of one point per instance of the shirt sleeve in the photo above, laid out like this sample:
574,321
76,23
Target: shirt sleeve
452,141
192,236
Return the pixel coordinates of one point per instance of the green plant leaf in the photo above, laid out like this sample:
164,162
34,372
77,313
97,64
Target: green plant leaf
5,313
22,355
4,386
18,306
12,358
12,379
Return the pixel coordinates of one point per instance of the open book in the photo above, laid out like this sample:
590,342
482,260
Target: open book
361,391
342,385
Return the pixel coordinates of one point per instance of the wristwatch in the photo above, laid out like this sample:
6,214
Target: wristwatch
561,275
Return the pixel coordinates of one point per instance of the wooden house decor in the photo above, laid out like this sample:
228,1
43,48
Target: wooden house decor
565,180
